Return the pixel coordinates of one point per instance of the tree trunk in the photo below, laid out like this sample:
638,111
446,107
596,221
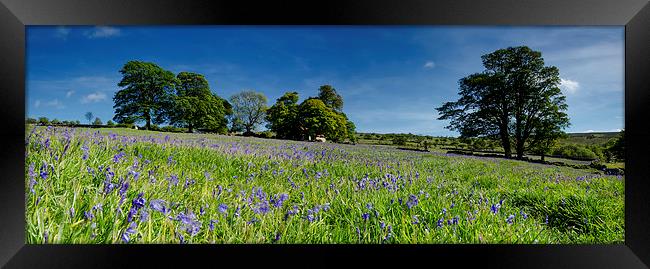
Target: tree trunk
148,118
505,143
542,157
520,149
189,128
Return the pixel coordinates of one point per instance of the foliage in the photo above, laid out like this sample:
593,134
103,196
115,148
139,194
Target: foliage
330,97
97,121
31,121
249,109
617,149
515,99
110,123
575,151
399,140
146,94
318,119
195,106
283,117
320,115
89,116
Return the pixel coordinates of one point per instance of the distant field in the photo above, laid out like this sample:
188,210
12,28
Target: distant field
585,139
132,186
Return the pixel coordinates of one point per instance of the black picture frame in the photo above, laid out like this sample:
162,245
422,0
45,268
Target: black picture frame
633,14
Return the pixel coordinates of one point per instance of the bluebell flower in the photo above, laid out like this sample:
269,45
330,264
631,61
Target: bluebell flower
139,201
413,201
510,219
212,222
126,236
123,188
159,205
365,216
188,223
441,222
416,220
132,213
144,215
223,208
495,208
89,215
523,214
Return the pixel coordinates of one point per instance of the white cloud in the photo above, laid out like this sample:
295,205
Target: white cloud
103,32
52,103
93,97
69,93
62,32
429,64
37,103
605,131
568,85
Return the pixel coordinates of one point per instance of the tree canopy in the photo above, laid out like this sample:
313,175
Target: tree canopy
249,109
330,97
146,94
515,99
320,115
283,118
195,106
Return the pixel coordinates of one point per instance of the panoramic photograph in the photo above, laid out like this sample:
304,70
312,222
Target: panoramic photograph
324,135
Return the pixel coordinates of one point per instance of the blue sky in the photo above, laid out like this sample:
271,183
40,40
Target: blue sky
391,78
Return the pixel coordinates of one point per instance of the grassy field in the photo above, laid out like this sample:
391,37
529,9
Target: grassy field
134,186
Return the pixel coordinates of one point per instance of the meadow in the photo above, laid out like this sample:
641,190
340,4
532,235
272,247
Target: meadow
132,186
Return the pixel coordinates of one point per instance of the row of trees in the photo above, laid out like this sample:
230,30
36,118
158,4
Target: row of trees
516,100
151,94
321,115
154,95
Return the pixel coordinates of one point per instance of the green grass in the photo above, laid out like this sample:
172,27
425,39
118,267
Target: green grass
340,182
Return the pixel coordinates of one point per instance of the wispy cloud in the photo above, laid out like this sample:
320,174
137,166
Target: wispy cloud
569,86
55,103
103,32
429,65
93,97
62,32
69,93
605,131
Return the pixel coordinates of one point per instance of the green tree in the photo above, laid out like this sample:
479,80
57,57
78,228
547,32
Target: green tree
195,106
508,100
89,116
31,121
330,98
283,117
249,108
399,140
55,122
318,119
146,94
43,121
97,121
617,149
351,130
110,123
